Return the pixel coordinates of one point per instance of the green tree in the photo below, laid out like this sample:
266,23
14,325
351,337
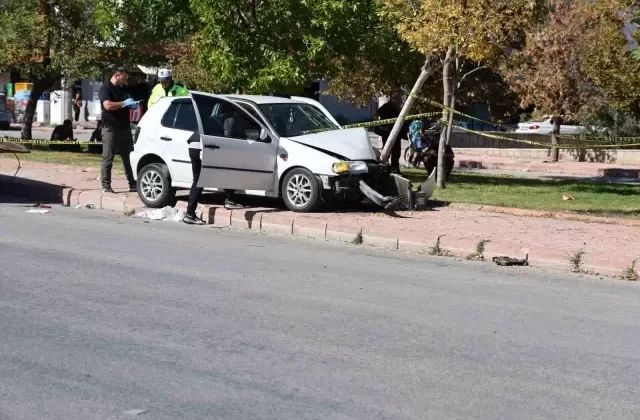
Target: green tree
578,60
47,40
280,45
476,30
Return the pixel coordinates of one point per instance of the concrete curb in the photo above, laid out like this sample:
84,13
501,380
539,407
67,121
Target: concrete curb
267,222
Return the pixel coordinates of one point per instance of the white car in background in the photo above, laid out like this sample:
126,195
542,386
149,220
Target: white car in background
280,147
546,127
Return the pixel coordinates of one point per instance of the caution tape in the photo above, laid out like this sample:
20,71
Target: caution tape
36,141
585,138
548,145
377,122
455,111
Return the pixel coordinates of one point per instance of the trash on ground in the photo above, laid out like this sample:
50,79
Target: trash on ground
509,262
167,213
41,206
39,211
135,412
568,197
86,206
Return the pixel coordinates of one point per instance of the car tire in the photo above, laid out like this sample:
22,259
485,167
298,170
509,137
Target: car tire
300,191
154,186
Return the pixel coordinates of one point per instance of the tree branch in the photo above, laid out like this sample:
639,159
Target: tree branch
470,73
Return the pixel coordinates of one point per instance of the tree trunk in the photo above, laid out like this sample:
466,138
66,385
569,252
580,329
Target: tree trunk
452,105
39,87
427,70
446,84
555,152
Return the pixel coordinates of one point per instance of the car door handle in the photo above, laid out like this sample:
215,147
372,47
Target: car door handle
211,146
166,138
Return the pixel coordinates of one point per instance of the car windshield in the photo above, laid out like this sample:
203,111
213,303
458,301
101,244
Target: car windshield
294,119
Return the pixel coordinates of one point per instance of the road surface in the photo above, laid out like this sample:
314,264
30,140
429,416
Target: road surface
101,315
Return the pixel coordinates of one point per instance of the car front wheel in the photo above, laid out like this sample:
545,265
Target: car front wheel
154,186
300,191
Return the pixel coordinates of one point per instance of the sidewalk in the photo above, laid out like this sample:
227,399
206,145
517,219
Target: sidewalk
610,245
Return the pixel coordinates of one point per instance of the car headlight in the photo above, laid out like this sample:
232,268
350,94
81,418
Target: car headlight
351,167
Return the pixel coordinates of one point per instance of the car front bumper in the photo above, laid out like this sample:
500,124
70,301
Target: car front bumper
381,187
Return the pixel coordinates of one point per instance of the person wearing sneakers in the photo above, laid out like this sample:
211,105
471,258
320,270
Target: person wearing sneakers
166,87
195,149
116,100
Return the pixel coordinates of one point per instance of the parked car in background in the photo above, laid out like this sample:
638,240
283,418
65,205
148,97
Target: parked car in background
546,127
290,148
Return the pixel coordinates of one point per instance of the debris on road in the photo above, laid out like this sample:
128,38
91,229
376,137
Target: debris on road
86,206
38,211
135,412
167,213
41,206
510,262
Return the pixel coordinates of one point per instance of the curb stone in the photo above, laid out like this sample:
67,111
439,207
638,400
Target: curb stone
265,222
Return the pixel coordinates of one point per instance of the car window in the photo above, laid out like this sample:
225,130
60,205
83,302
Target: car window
186,118
169,117
295,119
224,119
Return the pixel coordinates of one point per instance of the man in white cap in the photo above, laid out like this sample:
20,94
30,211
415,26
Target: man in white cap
166,87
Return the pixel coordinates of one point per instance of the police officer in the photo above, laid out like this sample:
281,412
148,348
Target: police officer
166,87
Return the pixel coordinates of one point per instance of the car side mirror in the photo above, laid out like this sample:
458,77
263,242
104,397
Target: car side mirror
264,135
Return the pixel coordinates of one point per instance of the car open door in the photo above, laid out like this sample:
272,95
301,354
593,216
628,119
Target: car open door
238,152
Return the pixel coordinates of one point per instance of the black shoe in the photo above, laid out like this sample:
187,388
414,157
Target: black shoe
108,190
133,189
193,220
230,205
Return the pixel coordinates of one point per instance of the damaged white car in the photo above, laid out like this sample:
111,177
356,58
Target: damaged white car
280,147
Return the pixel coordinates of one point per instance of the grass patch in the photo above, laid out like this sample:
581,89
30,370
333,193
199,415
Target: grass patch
85,158
630,273
592,198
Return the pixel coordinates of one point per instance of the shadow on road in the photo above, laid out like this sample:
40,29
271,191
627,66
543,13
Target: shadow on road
16,190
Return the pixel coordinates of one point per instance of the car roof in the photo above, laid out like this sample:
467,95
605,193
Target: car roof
258,99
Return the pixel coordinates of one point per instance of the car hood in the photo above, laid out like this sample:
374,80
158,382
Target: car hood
352,143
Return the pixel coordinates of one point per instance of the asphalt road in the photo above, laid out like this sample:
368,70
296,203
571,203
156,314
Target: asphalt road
101,314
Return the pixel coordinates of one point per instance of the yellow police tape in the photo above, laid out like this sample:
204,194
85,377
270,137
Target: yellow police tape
586,138
38,141
548,145
377,122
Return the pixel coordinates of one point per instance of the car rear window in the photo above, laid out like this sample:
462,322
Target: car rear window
186,118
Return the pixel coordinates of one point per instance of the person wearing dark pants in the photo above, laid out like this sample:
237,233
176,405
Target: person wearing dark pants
116,142
116,101
194,194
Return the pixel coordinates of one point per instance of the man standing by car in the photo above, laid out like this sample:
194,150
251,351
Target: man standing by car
166,87
116,101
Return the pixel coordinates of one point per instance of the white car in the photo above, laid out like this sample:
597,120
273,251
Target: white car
271,152
546,127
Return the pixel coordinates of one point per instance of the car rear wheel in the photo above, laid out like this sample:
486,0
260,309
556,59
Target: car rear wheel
300,191
154,186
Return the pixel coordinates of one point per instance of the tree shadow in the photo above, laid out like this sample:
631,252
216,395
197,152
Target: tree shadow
16,189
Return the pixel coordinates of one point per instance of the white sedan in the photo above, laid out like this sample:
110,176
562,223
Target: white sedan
546,127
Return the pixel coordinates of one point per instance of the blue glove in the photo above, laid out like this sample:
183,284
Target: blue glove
130,103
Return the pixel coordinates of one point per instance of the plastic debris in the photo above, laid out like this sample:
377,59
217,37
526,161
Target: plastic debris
568,197
135,412
86,206
41,206
38,211
167,213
